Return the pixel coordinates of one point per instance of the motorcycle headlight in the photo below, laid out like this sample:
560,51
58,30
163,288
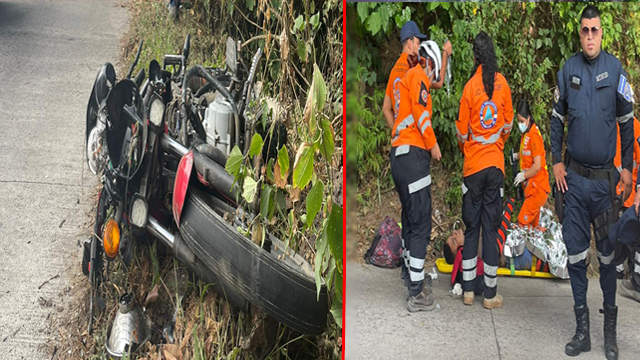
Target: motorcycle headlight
156,113
139,211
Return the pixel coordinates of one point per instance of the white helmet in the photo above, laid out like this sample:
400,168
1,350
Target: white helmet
431,50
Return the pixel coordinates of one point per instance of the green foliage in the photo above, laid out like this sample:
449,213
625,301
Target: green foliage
532,42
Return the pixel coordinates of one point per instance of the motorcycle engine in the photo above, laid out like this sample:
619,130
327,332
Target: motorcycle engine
218,124
96,146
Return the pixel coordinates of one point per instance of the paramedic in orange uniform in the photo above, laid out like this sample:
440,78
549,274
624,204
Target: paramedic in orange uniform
483,126
533,165
410,38
412,147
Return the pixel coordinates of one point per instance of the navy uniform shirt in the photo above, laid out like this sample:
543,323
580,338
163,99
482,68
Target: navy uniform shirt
591,97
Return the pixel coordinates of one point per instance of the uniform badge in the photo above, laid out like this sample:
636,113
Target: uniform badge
424,94
488,114
575,82
624,88
602,76
556,95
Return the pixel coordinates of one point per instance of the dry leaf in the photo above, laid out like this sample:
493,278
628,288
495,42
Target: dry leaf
294,194
171,352
256,233
187,336
277,177
284,45
152,296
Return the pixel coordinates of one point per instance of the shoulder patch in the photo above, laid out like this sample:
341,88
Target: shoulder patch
624,88
424,94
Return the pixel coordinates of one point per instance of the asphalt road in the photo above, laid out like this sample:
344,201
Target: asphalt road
535,322
50,53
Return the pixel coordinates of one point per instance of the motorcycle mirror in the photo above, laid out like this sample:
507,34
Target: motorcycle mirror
155,72
232,55
185,48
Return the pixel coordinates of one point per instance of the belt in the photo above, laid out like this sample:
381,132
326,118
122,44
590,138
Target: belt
591,173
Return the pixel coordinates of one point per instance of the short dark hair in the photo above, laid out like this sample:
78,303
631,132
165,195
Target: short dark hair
405,41
449,256
590,12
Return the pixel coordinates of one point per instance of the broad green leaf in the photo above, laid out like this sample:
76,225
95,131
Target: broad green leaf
334,233
270,170
338,281
303,169
316,98
302,51
234,161
256,145
336,311
327,145
249,189
251,4
266,201
298,22
315,21
363,11
283,160
374,23
314,201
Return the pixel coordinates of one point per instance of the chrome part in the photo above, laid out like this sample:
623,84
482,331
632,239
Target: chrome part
155,229
171,146
130,329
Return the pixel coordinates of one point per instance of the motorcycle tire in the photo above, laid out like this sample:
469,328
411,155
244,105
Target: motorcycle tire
281,284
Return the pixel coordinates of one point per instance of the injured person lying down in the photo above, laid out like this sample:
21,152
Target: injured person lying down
455,243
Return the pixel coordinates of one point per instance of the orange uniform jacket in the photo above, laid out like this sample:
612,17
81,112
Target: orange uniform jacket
413,120
393,86
617,161
532,145
483,125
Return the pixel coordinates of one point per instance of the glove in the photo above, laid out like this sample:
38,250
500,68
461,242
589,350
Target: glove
519,178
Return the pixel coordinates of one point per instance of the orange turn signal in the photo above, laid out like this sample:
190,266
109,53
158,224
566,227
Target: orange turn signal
111,239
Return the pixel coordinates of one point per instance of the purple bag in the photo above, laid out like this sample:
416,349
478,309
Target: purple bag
386,247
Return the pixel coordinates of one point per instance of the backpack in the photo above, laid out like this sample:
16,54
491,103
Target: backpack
386,247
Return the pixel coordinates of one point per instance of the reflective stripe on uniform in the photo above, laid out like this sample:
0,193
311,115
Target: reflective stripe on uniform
560,117
606,260
619,168
490,270
624,118
425,126
470,263
469,269
484,141
403,149
425,115
507,127
420,184
636,265
461,138
403,125
464,189
573,259
501,192
526,152
468,275
490,281
416,269
490,273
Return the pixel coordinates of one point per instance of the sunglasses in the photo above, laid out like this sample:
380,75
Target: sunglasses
594,31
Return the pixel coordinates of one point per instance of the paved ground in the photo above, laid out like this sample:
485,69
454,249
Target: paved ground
535,322
50,53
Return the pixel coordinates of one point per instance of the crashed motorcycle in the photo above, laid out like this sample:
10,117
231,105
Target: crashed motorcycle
143,168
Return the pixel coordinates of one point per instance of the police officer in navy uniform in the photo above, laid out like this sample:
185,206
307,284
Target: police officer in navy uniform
593,94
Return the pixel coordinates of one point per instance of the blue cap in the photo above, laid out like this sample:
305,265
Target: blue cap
410,29
627,229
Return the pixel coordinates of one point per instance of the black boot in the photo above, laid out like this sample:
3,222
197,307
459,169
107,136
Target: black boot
581,341
610,344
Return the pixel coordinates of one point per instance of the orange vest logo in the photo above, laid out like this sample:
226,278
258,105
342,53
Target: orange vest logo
488,114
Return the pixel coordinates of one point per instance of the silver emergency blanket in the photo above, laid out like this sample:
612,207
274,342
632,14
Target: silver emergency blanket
547,245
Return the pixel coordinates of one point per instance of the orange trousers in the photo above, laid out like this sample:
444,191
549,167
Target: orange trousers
534,198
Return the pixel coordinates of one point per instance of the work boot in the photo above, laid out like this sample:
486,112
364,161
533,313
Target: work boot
493,303
426,287
467,297
581,341
626,289
610,346
421,302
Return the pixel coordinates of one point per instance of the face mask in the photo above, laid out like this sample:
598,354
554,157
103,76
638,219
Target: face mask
523,127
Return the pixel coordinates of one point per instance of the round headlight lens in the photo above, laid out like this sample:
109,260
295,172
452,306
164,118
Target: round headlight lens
138,214
156,112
